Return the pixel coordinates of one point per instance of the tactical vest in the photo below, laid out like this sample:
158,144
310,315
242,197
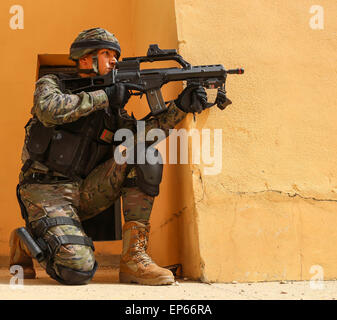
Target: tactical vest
73,149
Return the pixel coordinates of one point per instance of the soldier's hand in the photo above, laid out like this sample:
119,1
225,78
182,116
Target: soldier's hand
192,99
118,95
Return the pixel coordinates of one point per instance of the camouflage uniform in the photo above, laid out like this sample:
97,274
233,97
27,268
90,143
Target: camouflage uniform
81,200
61,198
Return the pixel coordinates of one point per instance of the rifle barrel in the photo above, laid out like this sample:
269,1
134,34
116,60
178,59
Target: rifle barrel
235,71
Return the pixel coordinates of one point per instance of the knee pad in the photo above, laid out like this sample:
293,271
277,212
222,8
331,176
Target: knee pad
50,246
68,276
149,175
65,274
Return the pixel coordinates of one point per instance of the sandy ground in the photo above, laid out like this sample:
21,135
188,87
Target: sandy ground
105,286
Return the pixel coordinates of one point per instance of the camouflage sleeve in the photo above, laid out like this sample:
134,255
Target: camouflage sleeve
52,107
166,120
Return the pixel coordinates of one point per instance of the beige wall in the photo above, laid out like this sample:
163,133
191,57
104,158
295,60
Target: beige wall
271,213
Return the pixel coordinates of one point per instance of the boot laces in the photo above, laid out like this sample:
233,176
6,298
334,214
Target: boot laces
141,247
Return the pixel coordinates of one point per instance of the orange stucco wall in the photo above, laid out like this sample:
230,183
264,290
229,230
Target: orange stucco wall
49,28
270,213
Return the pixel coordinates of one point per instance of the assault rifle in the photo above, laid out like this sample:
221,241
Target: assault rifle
150,81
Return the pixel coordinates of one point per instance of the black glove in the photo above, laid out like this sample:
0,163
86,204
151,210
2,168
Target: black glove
118,95
192,99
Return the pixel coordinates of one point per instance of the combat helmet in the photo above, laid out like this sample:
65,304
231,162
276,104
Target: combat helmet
89,41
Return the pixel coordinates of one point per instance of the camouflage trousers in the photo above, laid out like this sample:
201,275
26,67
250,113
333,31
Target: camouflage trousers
80,201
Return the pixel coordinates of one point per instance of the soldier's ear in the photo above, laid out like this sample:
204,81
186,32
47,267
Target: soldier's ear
85,61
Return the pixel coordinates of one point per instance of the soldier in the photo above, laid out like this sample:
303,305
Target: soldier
69,173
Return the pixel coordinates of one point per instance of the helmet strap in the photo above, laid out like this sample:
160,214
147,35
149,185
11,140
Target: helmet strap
95,63
94,66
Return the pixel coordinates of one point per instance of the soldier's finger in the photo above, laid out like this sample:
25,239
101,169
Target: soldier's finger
196,104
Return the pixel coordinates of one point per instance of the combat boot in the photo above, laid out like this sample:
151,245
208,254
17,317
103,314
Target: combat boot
135,265
20,255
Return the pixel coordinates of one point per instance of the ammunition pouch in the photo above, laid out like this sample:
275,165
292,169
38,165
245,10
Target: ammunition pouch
38,140
72,149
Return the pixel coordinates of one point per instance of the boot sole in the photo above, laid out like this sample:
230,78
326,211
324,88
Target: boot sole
128,278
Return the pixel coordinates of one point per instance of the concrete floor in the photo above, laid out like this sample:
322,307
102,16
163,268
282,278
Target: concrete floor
105,286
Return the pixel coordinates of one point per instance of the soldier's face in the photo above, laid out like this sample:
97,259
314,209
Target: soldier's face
106,61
